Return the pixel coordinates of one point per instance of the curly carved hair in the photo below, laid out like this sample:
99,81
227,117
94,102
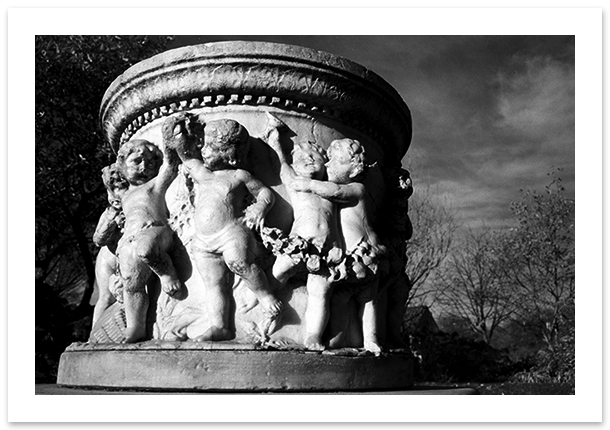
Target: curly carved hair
226,144
113,179
307,145
142,146
355,150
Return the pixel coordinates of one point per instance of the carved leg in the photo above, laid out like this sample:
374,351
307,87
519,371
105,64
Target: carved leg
136,305
135,301
382,306
151,248
283,269
181,260
133,276
217,283
368,314
339,318
254,278
398,294
319,291
105,267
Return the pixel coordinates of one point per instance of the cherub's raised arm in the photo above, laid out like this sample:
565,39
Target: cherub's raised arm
107,228
339,193
272,135
168,170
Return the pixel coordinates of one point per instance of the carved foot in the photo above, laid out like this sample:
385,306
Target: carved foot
214,334
313,343
271,306
372,347
272,309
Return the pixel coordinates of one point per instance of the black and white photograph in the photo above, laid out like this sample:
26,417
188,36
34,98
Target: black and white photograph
281,214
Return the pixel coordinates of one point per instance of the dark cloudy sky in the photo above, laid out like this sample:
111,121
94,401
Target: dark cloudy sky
491,114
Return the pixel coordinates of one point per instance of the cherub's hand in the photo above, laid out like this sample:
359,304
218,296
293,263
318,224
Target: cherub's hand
174,130
271,133
114,210
254,217
179,132
273,123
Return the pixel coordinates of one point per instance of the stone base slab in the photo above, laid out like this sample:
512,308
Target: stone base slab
223,366
55,390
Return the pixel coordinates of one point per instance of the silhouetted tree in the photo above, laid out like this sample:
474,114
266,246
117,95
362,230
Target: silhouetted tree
473,289
72,74
434,228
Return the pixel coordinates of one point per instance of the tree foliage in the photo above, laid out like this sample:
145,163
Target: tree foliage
72,74
538,257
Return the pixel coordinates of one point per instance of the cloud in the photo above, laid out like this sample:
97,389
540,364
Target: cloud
492,119
491,114
538,105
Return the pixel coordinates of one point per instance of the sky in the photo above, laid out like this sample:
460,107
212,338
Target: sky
491,114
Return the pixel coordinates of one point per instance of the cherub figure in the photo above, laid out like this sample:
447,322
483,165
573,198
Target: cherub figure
148,244
314,241
395,231
363,247
224,244
107,234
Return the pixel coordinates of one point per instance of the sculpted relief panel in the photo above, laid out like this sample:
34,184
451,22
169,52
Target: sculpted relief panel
257,220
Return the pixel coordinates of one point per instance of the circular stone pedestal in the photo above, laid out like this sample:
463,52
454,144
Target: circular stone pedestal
225,366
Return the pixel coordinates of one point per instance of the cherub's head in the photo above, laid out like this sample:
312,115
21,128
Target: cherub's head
308,159
139,161
115,184
226,145
404,183
346,161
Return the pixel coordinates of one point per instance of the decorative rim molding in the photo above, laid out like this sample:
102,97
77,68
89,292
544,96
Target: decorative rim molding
223,100
259,74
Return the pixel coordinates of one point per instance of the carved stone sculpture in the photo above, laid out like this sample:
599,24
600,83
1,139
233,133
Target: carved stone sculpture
107,234
275,171
223,246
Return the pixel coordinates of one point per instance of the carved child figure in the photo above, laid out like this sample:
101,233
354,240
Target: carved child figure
364,250
107,234
314,227
148,244
396,230
223,244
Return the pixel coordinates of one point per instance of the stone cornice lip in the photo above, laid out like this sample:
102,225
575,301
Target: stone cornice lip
258,73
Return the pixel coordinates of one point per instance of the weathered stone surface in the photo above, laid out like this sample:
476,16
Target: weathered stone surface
52,389
251,75
316,97
264,220
176,366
